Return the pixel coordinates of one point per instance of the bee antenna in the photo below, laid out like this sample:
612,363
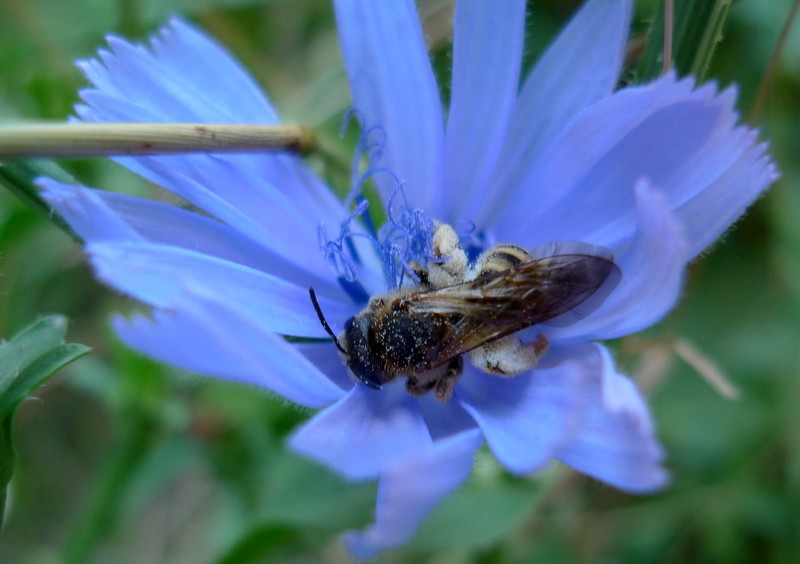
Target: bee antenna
324,321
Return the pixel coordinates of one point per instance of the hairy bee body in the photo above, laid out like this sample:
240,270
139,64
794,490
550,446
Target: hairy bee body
422,333
391,340
501,257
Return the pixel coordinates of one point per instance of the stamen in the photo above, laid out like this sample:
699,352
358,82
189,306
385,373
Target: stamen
405,238
367,150
367,219
354,290
473,242
334,249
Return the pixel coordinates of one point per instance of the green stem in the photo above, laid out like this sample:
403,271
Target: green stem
8,456
769,77
696,33
100,517
20,176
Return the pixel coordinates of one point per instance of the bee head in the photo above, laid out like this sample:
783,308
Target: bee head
354,347
361,359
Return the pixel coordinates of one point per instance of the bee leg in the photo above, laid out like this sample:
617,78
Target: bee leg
442,380
417,387
509,356
447,383
419,273
449,263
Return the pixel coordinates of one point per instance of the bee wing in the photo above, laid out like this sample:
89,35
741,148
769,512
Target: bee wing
609,270
501,303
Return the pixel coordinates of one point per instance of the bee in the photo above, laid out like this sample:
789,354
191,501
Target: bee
422,333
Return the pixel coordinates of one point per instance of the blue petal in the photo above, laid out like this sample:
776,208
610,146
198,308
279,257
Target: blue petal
615,442
579,68
394,88
652,276
237,98
706,216
244,202
207,334
86,213
679,139
487,53
327,359
444,419
252,183
364,433
167,79
525,418
157,275
106,216
134,84
408,491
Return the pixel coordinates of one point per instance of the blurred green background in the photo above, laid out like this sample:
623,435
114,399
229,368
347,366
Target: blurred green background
123,460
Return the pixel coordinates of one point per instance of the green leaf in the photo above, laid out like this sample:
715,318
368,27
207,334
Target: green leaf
38,372
8,458
476,516
306,494
258,543
697,31
18,177
102,511
28,345
26,362
135,388
31,357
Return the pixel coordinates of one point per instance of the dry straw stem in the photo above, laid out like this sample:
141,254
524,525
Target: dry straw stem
767,81
118,139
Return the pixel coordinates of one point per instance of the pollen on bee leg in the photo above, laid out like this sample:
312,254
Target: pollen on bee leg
509,356
449,262
419,273
447,382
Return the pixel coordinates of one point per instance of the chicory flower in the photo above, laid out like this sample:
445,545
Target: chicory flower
653,173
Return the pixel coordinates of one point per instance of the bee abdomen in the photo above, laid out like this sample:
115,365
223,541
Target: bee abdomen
500,258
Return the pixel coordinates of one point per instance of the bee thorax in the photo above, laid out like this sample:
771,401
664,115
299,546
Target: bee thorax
405,339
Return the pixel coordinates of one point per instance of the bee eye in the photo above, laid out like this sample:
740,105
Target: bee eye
362,361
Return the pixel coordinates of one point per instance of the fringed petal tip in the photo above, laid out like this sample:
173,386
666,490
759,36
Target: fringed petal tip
162,76
86,212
